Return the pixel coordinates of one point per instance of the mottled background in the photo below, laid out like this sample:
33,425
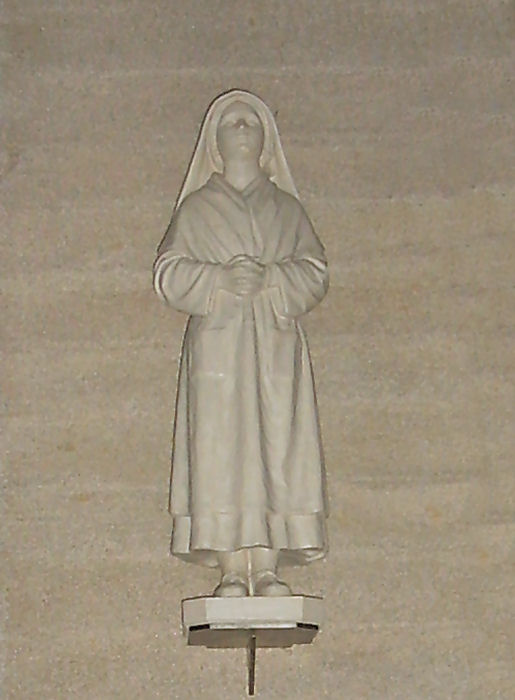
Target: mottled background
397,118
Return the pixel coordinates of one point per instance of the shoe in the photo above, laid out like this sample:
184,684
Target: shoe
232,585
266,583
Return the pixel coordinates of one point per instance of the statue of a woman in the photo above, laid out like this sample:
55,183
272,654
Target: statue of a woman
241,258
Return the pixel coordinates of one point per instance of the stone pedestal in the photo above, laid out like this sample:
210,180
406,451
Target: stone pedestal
229,622
251,622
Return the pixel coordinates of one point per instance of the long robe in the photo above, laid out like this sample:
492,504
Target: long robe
247,463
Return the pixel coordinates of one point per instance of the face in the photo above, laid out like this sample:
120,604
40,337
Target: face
240,134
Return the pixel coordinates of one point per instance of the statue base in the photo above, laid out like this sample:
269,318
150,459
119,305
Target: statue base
251,622
275,621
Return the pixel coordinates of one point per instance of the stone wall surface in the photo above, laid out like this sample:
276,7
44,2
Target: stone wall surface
397,118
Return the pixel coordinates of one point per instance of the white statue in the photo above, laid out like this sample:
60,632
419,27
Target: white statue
241,258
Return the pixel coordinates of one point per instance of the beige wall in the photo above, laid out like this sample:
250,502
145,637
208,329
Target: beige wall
397,118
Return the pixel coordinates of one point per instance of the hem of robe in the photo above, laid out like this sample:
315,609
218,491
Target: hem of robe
300,538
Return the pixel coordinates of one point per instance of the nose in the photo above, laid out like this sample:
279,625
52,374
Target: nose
241,122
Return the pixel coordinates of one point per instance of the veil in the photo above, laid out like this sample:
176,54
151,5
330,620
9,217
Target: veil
206,159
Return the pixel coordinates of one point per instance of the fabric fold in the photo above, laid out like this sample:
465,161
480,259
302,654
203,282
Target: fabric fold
300,537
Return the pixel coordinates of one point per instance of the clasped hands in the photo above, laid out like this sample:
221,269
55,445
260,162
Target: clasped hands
242,275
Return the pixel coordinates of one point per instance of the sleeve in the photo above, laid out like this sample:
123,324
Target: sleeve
183,281
302,279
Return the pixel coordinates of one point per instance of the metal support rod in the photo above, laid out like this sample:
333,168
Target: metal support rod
251,664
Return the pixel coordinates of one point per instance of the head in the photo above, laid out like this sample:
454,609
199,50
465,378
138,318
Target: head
208,157
240,133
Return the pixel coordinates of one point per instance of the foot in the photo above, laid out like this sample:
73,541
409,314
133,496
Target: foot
232,585
266,583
